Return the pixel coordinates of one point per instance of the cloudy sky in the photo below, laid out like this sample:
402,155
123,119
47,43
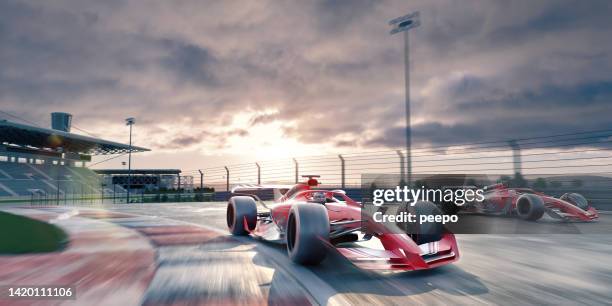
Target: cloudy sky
212,81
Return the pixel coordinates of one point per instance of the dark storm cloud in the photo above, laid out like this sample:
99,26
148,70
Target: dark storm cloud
559,16
263,119
345,144
336,15
237,132
327,71
550,111
191,63
192,138
184,141
33,89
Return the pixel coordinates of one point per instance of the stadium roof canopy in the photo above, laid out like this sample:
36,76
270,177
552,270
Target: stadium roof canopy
136,171
42,138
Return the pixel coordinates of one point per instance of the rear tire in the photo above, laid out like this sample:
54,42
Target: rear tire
307,233
239,208
426,232
449,208
530,207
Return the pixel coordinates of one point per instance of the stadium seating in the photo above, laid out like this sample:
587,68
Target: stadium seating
21,179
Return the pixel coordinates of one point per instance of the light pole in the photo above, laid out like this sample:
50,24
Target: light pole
403,24
129,121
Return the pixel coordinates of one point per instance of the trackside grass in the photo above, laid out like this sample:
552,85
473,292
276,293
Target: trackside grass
20,235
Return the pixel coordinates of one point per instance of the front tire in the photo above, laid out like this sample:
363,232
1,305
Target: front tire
307,233
530,207
240,208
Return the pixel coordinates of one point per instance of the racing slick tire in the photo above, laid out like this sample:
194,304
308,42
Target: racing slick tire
530,207
238,209
307,233
449,207
427,231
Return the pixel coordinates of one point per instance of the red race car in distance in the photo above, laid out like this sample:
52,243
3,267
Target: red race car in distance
310,221
531,205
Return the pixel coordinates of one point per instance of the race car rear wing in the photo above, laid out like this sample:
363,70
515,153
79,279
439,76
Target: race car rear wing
277,190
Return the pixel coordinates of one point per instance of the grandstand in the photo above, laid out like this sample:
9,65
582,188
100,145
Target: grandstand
40,161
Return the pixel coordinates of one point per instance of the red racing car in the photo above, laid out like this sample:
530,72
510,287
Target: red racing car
531,205
310,220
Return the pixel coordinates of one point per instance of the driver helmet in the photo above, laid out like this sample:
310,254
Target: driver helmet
318,197
576,199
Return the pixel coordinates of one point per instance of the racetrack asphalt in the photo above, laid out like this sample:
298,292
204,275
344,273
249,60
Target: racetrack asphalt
540,269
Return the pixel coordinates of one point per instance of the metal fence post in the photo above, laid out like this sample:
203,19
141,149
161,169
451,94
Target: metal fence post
258,174
179,187
58,190
296,170
227,175
516,157
402,168
342,170
158,188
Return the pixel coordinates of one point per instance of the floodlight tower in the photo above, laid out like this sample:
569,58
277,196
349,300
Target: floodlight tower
130,122
403,24
516,157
